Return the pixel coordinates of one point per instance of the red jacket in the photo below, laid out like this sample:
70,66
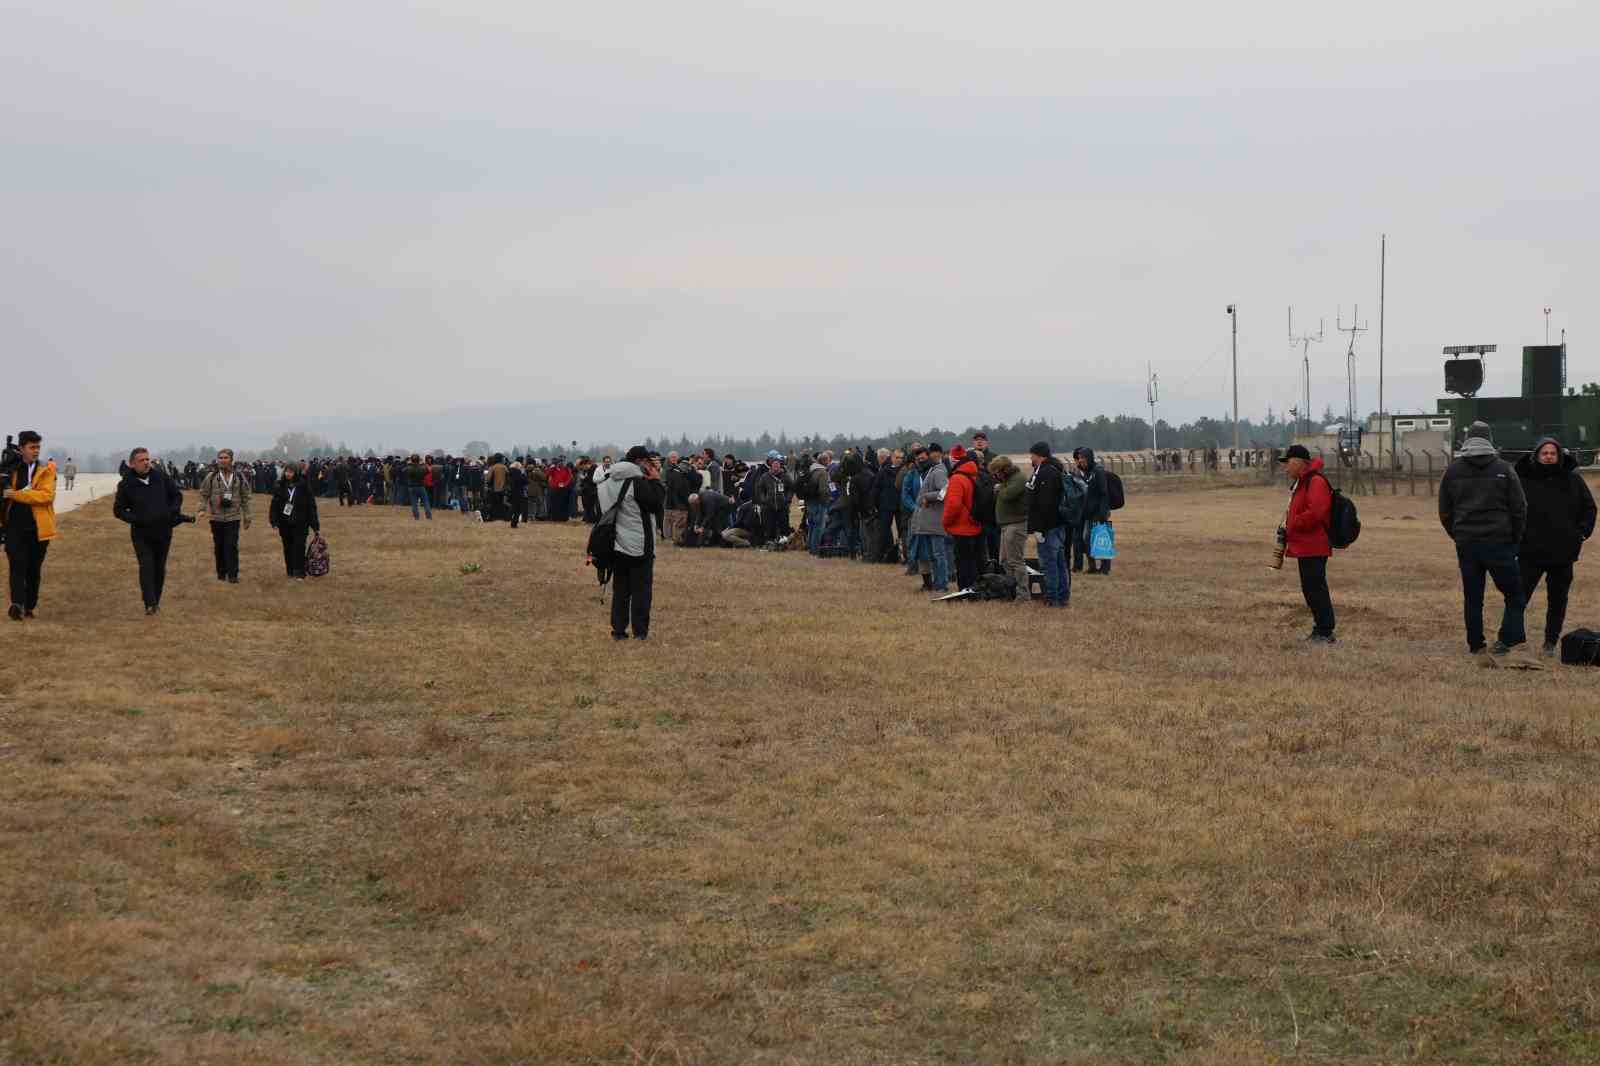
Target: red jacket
1310,508
560,476
958,501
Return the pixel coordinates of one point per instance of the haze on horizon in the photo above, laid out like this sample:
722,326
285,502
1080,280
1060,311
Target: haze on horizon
223,214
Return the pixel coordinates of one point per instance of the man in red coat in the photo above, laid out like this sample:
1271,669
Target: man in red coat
1305,533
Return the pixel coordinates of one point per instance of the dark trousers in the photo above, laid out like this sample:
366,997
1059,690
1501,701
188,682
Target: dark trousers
151,546
519,509
967,560
886,550
1558,582
225,546
346,497
1499,563
294,549
632,582
25,553
1314,587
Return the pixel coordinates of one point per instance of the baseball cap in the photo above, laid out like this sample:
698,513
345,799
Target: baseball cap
1294,451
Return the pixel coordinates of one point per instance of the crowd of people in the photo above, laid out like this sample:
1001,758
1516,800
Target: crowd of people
964,517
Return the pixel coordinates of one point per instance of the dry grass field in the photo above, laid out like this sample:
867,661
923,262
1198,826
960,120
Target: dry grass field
407,814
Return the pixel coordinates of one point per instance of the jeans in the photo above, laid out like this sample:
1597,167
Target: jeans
1053,562
885,547
966,560
1314,587
632,583
225,546
931,547
420,492
151,547
1013,546
25,554
869,539
816,521
1499,563
1558,582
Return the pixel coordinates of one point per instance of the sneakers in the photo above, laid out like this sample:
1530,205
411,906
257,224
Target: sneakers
15,613
151,611
1321,638
1492,657
1549,649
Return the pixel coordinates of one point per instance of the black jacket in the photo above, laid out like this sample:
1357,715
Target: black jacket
1044,497
303,507
1481,501
858,488
681,480
1561,510
1097,494
152,504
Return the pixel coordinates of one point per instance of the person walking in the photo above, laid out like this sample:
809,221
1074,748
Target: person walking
28,518
151,504
69,474
294,512
636,481
1011,514
1044,488
517,492
1561,516
1305,536
225,498
1484,510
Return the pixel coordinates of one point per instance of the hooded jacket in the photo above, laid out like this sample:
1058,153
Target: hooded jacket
958,520
635,535
1480,499
1310,510
301,502
1097,494
1011,499
1561,509
858,488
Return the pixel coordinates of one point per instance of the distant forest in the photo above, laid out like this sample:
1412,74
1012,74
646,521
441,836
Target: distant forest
1123,433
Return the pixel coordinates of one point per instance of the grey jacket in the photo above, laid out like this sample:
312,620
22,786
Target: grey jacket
635,529
1481,499
212,491
928,518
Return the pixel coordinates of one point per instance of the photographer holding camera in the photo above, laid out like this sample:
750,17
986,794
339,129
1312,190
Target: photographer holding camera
149,501
225,496
28,519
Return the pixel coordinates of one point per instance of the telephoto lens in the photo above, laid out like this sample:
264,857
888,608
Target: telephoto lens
1280,542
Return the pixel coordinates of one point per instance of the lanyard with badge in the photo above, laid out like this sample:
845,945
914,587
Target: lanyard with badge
227,490
288,505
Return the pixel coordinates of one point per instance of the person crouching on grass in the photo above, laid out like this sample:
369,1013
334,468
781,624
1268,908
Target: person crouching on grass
1305,530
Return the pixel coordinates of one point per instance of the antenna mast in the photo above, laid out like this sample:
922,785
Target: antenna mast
1304,344
1354,328
1151,388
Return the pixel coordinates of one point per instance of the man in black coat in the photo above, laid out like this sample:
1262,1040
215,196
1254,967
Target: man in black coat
1561,515
150,502
1484,510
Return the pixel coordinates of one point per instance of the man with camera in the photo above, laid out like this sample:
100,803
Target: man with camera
225,497
28,519
1304,536
149,501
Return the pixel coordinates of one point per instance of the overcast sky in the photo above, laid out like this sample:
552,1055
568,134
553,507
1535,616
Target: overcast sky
292,209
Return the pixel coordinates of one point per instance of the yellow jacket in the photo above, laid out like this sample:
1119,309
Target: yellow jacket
40,495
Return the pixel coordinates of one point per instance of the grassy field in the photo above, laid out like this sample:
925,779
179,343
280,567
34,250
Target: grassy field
411,814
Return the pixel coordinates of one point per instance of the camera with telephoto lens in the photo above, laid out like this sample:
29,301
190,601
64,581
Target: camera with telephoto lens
1280,544
11,457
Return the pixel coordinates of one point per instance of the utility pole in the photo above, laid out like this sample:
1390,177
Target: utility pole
1304,344
1383,263
1547,325
1234,315
1354,328
1150,388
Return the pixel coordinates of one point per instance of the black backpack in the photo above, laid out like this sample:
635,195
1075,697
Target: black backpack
602,550
1074,493
995,587
1114,497
1344,523
1581,647
982,510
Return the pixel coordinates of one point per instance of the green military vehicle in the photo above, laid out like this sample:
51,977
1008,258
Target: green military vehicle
1546,408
